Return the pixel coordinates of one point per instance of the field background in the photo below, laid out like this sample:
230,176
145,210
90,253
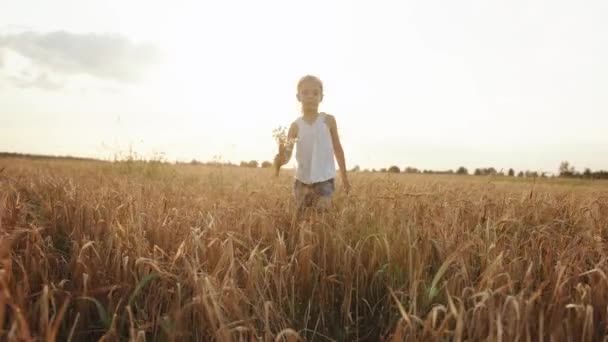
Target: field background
150,251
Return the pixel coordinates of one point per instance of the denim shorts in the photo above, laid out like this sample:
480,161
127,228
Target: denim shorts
306,195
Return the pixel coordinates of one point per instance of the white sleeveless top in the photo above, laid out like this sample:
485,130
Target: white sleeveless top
314,151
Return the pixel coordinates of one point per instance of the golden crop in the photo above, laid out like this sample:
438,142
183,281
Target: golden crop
158,252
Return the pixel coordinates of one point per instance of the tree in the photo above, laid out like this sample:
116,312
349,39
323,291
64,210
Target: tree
489,171
520,174
410,169
355,169
462,171
566,170
251,163
266,164
394,169
531,174
587,173
601,174
511,173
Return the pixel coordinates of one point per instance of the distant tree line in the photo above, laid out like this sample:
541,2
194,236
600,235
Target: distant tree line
248,164
566,170
487,171
42,157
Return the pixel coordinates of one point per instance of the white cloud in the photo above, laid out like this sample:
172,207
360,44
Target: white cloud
45,60
40,80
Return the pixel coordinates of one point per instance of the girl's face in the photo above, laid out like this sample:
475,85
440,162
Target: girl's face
310,94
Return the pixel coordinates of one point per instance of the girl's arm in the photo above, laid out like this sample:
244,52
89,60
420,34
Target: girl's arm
338,150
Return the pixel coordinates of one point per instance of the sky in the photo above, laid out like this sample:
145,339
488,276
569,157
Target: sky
430,84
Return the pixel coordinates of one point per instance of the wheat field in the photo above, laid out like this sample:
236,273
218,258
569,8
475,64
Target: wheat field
158,252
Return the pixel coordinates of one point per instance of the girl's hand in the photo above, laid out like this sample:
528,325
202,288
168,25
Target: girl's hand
346,185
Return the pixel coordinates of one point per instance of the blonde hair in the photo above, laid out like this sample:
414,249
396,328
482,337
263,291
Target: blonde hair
307,78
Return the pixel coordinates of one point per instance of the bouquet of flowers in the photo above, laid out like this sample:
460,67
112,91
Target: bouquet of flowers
285,145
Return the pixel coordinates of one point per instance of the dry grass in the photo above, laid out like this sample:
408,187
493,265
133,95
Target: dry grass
140,252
